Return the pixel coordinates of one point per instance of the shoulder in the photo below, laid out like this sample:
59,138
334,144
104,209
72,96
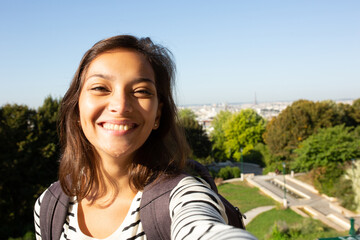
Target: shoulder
39,201
196,192
52,200
197,212
190,183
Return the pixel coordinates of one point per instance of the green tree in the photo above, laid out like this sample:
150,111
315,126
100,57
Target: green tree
299,121
328,147
17,123
48,142
261,155
356,111
218,137
187,113
195,134
243,131
324,154
29,155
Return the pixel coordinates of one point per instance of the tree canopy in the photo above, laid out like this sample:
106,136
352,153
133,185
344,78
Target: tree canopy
330,146
300,120
217,135
356,111
242,132
195,134
187,113
29,155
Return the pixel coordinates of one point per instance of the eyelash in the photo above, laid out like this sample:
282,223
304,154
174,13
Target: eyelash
100,89
143,93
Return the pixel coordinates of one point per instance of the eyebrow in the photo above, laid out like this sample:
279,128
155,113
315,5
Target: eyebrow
111,78
140,80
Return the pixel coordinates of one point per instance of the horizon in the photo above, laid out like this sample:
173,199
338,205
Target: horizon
344,100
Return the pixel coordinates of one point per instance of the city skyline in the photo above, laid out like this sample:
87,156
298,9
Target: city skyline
224,52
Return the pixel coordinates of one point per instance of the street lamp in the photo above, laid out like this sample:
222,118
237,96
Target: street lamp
284,200
241,160
241,164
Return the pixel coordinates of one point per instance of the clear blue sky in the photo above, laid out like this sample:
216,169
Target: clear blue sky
225,51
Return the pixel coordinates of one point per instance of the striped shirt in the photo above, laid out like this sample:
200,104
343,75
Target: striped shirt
195,210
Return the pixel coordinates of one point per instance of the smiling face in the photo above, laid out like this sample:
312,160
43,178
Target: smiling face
118,103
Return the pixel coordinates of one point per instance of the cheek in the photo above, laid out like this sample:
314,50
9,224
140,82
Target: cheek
88,110
149,108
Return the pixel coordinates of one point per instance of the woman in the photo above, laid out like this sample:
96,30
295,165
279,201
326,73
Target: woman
118,134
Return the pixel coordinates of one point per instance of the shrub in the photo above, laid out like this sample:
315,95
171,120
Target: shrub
343,190
324,178
229,172
306,227
332,182
235,172
224,173
280,231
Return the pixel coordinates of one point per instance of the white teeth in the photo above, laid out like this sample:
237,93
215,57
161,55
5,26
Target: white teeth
116,127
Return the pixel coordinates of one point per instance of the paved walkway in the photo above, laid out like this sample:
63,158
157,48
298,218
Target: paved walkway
305,200
250,215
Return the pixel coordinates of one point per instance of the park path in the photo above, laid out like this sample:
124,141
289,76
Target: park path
251,214
305,200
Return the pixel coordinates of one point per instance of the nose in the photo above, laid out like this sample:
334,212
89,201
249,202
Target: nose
119,103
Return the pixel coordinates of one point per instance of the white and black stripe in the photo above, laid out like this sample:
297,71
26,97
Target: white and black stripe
37,216
131,228
198,213
195,210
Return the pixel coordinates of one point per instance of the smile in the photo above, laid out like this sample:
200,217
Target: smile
118,127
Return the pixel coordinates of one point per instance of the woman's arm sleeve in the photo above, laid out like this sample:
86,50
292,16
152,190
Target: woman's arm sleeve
197,213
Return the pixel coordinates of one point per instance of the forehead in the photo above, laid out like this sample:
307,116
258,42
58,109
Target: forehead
122,61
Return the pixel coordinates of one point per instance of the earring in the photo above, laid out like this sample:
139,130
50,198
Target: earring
156,125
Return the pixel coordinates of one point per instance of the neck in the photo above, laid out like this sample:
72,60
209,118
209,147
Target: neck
114,181
117,170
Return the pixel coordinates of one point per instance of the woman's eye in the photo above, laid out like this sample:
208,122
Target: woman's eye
99,89
143,93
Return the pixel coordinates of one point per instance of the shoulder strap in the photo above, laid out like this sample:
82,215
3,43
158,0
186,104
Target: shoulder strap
202,171
53,211
235,217
154,207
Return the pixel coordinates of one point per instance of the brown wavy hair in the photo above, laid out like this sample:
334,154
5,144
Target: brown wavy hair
164,152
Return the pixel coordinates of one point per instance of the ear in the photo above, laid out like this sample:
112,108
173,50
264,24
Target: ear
158,116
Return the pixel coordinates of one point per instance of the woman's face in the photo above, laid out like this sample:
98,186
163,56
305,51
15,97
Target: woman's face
118,103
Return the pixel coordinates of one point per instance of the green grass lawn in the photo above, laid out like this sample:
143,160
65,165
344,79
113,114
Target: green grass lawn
241,195
308,228
246,198
263,223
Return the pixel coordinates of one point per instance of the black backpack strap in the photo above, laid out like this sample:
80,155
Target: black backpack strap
53,212
202,171
235,217
154,207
